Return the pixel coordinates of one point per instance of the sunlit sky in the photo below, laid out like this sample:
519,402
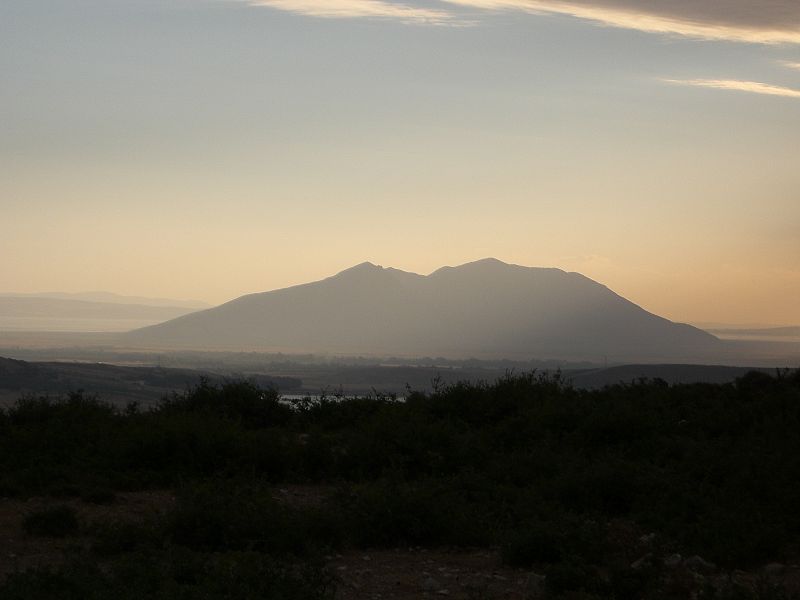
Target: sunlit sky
210,148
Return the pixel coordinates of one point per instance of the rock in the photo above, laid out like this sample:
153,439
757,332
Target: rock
673,561
534,586
642,562
699,564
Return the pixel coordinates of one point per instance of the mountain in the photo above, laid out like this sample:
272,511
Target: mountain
484,309
34,313
111,298
757,333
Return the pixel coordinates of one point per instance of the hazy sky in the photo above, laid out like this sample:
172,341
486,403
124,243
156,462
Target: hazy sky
209,148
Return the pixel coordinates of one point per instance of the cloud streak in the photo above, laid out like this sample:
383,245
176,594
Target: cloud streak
752,87
764,22
350,9
793,65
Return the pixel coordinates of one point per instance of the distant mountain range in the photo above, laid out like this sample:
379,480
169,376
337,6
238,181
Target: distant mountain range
111,298
49,312
484,309
757,333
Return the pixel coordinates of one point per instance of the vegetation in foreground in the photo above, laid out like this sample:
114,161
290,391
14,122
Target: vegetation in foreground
605,493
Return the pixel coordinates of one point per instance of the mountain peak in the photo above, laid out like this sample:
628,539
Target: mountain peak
482,265
489,262
364,267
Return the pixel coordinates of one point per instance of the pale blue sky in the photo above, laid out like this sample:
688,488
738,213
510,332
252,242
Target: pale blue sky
208,148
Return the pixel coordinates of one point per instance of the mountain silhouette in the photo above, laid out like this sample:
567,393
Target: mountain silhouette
481,309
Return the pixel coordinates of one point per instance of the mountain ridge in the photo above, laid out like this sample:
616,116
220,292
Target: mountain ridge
485,307
111,298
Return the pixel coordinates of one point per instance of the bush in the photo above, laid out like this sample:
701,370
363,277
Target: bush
711,468
242,516
391,512
54,522
99,496
533,543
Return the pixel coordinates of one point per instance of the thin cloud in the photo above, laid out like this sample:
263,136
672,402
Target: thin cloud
764,22
752,87
350,9
793,65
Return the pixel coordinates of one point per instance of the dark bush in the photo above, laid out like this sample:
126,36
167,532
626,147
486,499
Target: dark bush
99,496
56,522
390,513
533,543
711,468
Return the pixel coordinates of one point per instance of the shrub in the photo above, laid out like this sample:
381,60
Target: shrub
56,522
531,544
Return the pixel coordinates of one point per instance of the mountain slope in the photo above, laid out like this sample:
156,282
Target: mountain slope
485,308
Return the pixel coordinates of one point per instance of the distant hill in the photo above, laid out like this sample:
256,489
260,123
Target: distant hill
147,384
482,309
32,313
112,383
672,374
111,298
758,333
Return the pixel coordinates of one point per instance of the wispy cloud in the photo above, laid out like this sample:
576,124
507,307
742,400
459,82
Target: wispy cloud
375,9
753,87
792,65
766,22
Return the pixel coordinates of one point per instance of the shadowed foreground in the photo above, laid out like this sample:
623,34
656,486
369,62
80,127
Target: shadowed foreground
523,488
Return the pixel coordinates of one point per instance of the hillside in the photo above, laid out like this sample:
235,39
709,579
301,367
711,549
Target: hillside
485,308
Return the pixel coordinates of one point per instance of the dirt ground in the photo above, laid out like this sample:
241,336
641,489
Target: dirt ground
406,574
19,551
386,574
393,574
